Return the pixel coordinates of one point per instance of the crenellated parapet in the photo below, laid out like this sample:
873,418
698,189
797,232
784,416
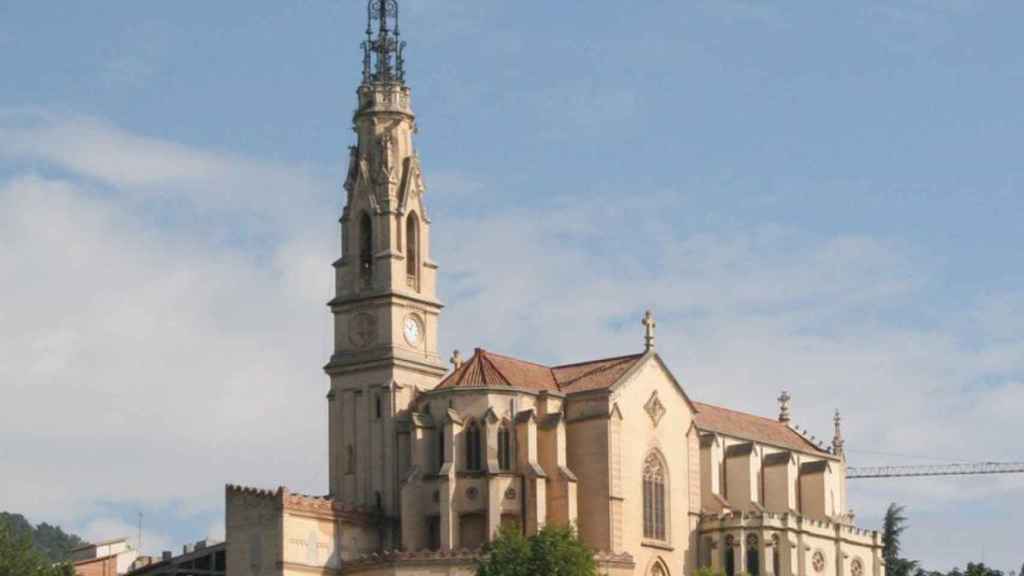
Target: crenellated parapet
283,499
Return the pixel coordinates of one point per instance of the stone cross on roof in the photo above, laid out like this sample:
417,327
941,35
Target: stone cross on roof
649,325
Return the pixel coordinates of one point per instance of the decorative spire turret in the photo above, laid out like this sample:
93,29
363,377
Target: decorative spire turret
837,440
383,49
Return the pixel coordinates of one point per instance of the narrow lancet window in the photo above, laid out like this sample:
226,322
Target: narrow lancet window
472,446
504,448
654,498
412,250
753,556
366,249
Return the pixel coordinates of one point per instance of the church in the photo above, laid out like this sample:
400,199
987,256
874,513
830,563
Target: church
430,458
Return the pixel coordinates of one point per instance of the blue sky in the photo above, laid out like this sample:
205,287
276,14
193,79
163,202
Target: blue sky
825,198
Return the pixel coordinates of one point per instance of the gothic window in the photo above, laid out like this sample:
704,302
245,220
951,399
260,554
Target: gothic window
504,448
365,248
655,504
472,436
412,248
379,407
730,556
753,556
350,460
658,570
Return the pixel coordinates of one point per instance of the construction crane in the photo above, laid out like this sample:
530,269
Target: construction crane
970,469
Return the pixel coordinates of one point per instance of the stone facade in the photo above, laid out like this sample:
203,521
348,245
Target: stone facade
427,463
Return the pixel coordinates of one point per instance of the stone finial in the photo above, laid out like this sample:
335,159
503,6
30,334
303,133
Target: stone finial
649,325
456,360
837,440
784,400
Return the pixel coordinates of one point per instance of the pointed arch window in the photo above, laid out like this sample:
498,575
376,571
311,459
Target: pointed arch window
753,555
412,250
655,503
730,556
365,248
504,448
472,436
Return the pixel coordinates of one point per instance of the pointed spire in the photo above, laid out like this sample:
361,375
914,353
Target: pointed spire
383,49
837,440
784,400
649,325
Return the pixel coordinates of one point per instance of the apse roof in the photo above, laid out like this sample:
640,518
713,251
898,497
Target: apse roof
489,370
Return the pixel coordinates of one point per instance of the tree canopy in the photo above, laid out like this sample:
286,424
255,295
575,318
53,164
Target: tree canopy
554,551
894,525
18,556
51,542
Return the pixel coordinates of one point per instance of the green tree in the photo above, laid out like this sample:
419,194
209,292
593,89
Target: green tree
980,569
53,543
554,551
892,530
18,557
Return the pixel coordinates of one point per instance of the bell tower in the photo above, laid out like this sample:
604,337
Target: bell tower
385,307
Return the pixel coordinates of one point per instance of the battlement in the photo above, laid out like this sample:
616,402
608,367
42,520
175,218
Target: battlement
289,501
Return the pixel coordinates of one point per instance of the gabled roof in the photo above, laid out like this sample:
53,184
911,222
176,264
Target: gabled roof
489,370
749,427
595,374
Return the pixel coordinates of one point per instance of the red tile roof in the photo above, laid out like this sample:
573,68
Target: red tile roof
749,427
593,375
489,370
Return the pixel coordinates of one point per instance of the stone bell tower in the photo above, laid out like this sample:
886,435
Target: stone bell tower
385,306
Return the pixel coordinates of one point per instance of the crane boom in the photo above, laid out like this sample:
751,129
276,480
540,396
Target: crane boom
936,470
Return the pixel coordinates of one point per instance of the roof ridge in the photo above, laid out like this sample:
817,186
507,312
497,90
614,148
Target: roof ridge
717,407
484,355
595,370
507,357
609,359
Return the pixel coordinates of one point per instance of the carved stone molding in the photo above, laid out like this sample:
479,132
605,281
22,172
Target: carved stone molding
655,409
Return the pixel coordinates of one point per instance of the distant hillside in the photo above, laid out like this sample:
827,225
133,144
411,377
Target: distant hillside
50,541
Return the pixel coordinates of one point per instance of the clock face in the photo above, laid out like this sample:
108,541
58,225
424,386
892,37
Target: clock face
411,331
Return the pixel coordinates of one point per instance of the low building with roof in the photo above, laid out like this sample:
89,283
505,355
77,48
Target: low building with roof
108,558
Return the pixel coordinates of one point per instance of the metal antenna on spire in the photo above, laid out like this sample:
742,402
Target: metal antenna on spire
383,53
